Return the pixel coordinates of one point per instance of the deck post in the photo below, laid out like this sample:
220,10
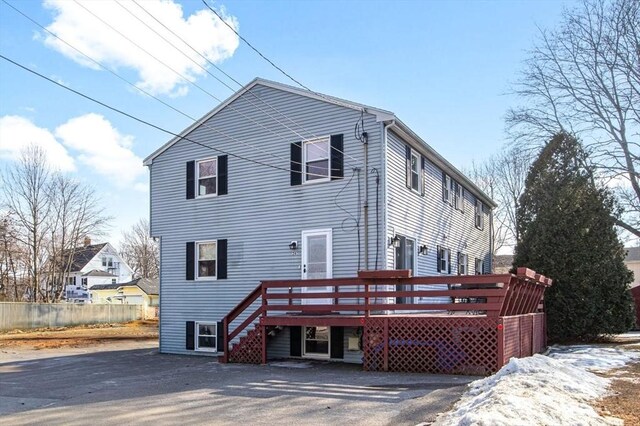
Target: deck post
385,348
500,360
263,333
225,339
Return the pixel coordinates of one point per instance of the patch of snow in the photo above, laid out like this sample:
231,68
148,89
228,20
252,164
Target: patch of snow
291,364
594,358
542,390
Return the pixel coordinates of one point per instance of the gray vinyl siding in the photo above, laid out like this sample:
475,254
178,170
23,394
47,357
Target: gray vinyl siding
262,213
428,219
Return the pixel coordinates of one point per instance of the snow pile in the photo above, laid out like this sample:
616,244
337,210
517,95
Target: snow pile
541,390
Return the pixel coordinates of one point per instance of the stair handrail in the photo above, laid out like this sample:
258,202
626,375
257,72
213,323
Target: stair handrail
235,313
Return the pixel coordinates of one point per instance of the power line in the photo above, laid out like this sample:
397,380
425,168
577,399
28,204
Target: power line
140,89
272,63
147,123
221,70
187,80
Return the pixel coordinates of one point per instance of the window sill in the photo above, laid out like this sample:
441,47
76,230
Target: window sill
313,182
206,279
197,197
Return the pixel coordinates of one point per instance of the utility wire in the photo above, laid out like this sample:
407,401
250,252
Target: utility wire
184,78
221,70
147,123
205,124
332,100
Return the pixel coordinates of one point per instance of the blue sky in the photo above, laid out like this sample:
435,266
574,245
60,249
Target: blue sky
444,67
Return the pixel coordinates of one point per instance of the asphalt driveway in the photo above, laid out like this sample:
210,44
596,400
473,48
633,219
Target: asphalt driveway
134,384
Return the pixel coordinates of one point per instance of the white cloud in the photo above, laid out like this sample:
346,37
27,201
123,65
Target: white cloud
202,30
16,133
102,148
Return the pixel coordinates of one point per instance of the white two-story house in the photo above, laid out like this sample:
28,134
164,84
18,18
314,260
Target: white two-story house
96,264
282,183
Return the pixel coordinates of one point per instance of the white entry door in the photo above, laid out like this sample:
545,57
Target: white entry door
316,261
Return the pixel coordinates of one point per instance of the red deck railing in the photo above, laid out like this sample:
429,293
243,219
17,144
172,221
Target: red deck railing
376,293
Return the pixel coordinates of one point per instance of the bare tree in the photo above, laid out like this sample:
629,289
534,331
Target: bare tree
48,214
27,199
584,78
74,215
12,266
140,250
502,177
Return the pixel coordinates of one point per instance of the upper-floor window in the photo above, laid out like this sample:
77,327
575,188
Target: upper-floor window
415,171
458,196
479,266
207,176
207,255
84,282
414,165
107,262
463,264
316,160
447,194
444,260
113,280
479,215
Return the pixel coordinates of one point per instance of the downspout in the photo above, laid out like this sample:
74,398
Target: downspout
385,132
365,142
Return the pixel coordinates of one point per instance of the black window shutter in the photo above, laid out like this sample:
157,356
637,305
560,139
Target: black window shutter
219,337
191,329
222,259
439,259
191,177
223,173
337,342
449,261
408,161
296,163
337,157
191,260
295,338
423,164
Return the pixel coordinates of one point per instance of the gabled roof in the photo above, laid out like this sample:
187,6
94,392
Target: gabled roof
97,273
381,116
149,285
81,256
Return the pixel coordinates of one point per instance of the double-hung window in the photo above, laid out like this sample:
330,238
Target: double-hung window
207,177
458,196
316,160
479,215
206,253
444,260
206,337
415,171
446,189
463,264
479,266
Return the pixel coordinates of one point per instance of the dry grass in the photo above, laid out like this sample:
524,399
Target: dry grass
80,336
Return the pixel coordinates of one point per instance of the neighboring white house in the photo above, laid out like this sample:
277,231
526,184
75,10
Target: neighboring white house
632,260
97,264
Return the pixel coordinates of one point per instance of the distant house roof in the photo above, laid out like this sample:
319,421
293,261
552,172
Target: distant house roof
97,273
633,254
504,261
149,285
81,256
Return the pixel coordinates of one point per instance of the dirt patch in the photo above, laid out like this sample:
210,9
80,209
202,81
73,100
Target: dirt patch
80,336
624,400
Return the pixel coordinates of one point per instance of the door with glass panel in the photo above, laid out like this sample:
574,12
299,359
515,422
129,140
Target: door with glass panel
405,258
316,262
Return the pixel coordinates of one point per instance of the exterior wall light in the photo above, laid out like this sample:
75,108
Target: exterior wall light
423,249
293,245
395,241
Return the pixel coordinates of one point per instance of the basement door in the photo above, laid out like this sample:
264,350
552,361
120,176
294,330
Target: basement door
316,262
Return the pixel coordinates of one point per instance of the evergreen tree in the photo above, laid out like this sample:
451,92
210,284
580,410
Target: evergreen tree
567,232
